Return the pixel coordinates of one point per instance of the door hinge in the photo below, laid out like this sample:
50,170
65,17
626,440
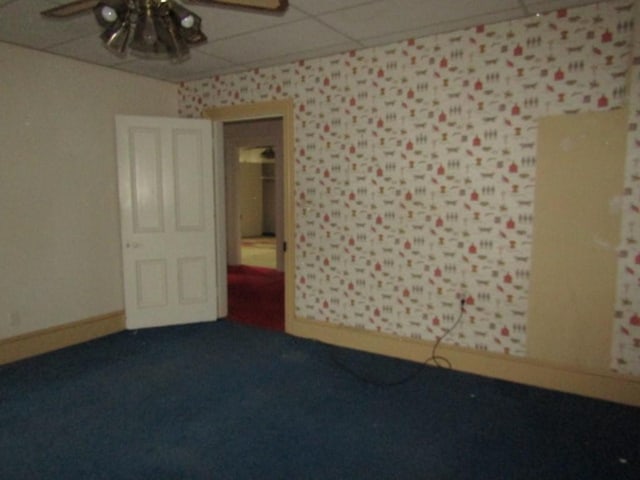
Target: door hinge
284,246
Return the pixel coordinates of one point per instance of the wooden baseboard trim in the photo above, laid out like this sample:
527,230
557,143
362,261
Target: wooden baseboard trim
54,338
608,386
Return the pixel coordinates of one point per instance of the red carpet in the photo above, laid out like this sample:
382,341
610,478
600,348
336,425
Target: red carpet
256,296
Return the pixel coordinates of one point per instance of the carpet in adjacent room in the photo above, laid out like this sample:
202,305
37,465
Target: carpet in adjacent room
256,296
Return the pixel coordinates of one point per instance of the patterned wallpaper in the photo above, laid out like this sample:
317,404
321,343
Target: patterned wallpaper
415,168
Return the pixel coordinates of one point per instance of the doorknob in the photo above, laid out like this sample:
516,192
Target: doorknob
133,245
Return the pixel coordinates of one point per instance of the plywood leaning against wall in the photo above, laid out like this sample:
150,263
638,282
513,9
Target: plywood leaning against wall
579,185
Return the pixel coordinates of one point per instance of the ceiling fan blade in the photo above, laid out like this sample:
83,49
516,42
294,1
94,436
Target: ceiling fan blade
70,9
265,5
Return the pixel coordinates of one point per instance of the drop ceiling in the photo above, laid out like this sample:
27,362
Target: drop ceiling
244,40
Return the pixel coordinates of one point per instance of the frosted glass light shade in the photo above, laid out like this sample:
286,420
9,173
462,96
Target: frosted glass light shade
188,21
108,14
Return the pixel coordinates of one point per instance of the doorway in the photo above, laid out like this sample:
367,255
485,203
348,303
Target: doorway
241,117
258,212
254,200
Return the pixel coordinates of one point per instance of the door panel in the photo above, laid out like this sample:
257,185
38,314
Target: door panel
192,280
151,283
165,169
146,180
189,190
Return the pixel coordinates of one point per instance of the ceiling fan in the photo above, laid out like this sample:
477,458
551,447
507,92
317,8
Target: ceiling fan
154,28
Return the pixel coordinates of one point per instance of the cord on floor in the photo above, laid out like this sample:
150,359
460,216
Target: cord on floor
434,360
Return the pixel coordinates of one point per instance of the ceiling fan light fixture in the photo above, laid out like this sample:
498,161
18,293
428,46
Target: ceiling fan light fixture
146,41
189,24
170,37
116,39
153,28
268,153
188,21
107,12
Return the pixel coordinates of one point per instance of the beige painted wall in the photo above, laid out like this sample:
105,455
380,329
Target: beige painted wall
59,241
250,197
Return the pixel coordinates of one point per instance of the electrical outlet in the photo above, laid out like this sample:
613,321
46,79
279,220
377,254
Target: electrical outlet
462,298
14,319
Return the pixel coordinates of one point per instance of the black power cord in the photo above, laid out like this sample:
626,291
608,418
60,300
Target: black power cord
434,360
438,360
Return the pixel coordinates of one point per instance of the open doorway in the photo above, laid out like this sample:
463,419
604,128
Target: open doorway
256,187
254,192
254,208
240,117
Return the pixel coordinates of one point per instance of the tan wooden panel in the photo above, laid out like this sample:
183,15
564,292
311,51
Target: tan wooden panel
579,186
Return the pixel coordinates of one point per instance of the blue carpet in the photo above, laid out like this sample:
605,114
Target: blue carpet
225,401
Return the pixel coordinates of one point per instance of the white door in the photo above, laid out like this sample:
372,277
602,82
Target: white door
165,171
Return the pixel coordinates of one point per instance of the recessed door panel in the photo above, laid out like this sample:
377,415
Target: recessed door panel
189,175
192,280
151,283
146,180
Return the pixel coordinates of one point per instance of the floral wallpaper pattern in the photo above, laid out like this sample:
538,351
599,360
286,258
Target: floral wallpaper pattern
415,170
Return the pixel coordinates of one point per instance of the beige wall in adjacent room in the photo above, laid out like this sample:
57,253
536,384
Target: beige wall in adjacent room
59,240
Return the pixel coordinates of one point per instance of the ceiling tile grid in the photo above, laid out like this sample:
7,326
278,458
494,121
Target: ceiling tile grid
240,40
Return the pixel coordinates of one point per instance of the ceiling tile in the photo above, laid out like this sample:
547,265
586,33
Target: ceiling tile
288,39
21,23
315,53
382,18
218,23
315,7
541,6
88,49
198,64
442,27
